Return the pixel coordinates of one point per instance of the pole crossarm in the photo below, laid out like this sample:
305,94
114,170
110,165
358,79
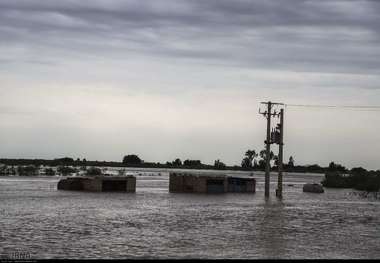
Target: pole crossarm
265,113
273,103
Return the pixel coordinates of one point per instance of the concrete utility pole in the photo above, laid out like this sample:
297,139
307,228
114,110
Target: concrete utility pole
267,167
280,155
268,114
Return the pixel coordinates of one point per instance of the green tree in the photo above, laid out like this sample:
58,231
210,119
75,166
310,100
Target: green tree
262,162
263,154
251,154
276,160
65,160
219,165
291,162
336,167
177,162
192,163
3,169
250,157
132,159
246,163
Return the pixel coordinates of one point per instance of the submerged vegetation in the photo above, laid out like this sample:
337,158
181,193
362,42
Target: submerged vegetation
27,170
66,170
357,178
94,171
336,175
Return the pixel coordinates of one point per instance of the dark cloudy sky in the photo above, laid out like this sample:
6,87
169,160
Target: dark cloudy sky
165,79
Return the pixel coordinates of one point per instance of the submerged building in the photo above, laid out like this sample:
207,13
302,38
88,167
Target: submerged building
210,183
99,184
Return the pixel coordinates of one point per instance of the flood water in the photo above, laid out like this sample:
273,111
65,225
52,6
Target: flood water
37,219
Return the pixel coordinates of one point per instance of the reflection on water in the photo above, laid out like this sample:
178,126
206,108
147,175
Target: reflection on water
38,219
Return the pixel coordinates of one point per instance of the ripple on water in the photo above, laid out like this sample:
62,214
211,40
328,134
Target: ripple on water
156,224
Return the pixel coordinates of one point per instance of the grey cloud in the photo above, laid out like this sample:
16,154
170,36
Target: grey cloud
93,69
319,36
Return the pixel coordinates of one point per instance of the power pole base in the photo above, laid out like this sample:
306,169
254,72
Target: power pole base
278,193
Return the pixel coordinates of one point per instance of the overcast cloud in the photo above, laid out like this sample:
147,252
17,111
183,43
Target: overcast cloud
165,79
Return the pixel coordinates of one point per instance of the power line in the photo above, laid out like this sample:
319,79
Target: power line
350,107
332,106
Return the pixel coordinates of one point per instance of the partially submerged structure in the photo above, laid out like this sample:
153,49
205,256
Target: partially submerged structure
210,183
99,184
313,188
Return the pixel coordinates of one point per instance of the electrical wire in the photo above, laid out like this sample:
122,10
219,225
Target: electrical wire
349,107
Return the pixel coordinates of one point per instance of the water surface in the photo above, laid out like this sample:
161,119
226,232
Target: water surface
152,223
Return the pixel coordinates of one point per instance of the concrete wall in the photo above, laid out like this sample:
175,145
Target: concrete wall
175,183
131,184
70,184
187,183
241,185
178,183
92,185
95,184
251,186
194,183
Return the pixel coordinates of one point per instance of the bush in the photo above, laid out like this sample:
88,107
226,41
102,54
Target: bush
359,179
336,180
192,163
65,170
3,169
93,171
27,170
49,172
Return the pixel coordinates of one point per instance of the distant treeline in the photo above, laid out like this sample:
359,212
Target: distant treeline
251,162
35,170
336,175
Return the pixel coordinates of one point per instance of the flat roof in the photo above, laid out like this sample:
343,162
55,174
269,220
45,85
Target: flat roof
102,177
216,175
